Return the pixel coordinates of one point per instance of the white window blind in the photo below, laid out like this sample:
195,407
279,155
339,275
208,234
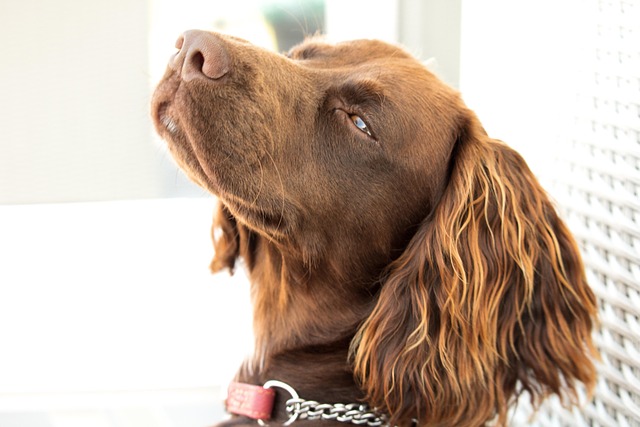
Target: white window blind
599,191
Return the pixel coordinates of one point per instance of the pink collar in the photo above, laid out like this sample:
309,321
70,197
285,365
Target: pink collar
256,402
250,400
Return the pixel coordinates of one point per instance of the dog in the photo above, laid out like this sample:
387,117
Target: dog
404,266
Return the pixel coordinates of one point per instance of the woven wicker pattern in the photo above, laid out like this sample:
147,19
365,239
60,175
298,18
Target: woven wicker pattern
598,189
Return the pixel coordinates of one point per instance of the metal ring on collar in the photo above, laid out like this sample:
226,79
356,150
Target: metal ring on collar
291,391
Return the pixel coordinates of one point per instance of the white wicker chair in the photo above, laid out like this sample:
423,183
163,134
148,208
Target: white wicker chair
597,186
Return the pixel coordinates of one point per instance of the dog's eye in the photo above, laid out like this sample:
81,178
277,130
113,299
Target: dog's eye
360,124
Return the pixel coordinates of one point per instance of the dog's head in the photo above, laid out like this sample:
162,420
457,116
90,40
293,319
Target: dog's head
329,141
355,154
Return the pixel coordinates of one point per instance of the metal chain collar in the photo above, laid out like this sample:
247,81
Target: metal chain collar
298,408
353,413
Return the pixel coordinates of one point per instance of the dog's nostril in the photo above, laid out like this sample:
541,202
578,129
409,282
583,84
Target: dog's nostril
196,61
201,55
214,66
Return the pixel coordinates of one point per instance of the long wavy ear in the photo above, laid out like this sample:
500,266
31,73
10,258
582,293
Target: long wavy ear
488,300
226,240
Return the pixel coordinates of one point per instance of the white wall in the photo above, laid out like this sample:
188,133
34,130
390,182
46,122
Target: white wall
362,19
74,121
431,31
113,296
519,66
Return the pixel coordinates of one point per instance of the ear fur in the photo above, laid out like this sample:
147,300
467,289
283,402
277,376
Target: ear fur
488,300
226,240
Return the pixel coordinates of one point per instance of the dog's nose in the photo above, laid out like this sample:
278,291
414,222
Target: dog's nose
201,55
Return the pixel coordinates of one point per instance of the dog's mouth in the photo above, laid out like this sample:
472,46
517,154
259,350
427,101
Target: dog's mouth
166,123
168,126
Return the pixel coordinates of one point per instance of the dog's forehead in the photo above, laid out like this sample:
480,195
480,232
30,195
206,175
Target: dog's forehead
351,52
373,49
364,60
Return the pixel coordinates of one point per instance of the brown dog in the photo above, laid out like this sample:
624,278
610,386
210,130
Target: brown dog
398,256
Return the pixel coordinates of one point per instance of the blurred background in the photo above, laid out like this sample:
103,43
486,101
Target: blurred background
108,315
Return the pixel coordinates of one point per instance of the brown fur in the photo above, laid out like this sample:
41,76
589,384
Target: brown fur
421,269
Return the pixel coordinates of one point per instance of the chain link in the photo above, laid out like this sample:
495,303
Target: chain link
353,413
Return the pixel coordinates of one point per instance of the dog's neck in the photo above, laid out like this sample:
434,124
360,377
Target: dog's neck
318,373
304,320
297,305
